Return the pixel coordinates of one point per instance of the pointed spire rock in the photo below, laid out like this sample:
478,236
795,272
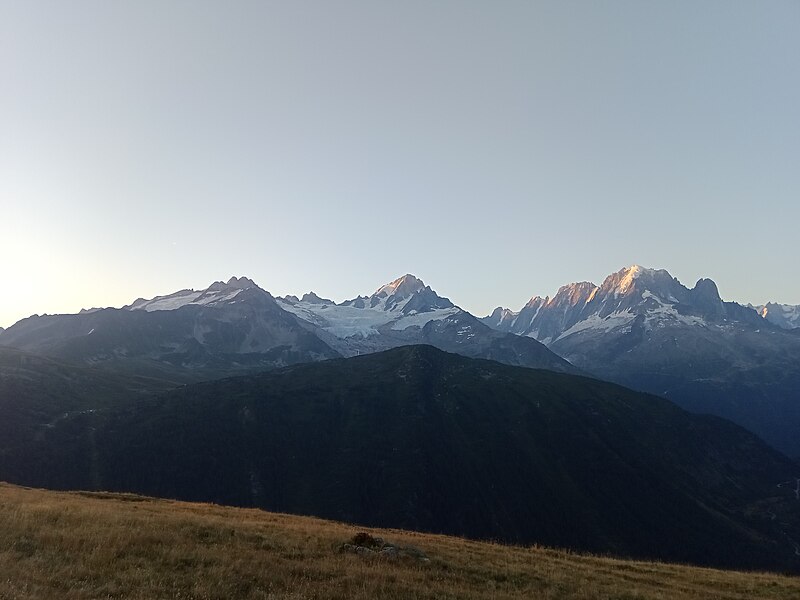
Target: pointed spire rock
241,283
312,298
705,297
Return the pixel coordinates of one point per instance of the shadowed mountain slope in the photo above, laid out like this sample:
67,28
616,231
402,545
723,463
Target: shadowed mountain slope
38,393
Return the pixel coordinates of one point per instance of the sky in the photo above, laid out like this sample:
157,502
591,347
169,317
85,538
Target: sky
497,150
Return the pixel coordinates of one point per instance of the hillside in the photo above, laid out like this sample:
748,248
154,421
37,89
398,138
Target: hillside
421,439
86,545
37,393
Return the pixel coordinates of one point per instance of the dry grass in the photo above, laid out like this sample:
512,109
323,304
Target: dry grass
71,546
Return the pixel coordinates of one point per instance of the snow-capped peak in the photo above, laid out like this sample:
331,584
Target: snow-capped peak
401,287
404,303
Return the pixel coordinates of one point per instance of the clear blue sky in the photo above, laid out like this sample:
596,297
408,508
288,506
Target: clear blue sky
496,149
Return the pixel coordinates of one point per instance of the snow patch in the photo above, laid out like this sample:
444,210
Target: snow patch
184,298
421,319
664,313
596,323
347,321
341,321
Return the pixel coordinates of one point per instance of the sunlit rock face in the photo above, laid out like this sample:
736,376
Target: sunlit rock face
785,316
653,295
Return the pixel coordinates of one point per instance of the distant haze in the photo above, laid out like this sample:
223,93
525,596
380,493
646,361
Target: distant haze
496,150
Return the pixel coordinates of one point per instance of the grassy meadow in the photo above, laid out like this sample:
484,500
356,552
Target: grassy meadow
97,545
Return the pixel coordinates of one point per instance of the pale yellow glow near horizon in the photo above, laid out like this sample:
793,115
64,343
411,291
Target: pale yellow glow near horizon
35,279
41,277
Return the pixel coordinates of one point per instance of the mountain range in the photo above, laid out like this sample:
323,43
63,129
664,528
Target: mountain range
236,327
406,311
643,329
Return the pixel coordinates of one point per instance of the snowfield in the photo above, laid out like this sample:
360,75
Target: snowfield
345,321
